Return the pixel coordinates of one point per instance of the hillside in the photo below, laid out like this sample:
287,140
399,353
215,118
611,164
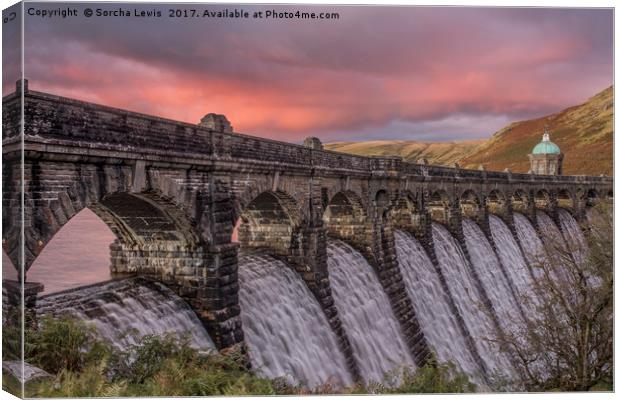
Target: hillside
440,153
584,134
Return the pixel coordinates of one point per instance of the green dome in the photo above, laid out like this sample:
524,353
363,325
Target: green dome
546,146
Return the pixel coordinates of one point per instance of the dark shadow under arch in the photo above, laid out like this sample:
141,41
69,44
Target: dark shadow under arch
438,206
271,221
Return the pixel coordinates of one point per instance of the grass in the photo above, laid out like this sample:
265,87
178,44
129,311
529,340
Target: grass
84,366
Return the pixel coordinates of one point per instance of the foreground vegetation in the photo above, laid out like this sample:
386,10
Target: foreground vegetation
566,343
84,366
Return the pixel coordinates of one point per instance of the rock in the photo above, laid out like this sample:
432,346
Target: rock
31,373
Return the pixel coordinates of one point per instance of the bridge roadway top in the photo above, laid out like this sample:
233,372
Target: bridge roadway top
67,129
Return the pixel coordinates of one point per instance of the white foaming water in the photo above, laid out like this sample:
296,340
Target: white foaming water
457,272
366,314
512,258
556,247
532,245
550,232
123,311
491,276
285,329
573,236
432,307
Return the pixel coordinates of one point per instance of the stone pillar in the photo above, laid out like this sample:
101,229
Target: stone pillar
552,208
530,212
311,264
580,209
384,260
310,260
217,300
12,299
216,296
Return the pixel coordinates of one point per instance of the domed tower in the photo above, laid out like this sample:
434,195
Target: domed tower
546,157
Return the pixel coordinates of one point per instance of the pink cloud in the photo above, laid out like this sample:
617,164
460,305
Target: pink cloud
288,81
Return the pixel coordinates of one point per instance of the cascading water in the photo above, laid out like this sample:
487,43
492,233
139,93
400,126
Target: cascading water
551,235
532,245
573,235
123,311
556,246
489,270
457,272
285,329
512,258
432,306
366,314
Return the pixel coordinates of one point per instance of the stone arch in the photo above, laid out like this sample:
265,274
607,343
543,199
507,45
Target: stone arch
344,216
542,199
405,213
520,201
271,221
469,204
154,238
61,264
565,199
438,206
610,195
496,202
591,197
56,192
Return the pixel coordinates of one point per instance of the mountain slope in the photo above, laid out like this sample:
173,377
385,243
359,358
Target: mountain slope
584,134
440,153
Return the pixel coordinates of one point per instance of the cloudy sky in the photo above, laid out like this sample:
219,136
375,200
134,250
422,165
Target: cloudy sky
376,72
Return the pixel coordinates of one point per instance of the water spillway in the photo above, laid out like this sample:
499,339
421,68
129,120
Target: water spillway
551,234
122,311
469,302
559,255
432,307
367,317
533,247
489,270
514,262
285,328
573,235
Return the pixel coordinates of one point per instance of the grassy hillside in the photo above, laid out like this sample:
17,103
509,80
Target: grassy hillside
584,134
440,153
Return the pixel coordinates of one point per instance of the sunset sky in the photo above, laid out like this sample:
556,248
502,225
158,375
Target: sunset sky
376,72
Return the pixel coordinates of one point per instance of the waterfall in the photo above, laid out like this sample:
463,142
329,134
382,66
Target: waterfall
573,235
285,329
489,270
124,310
432,306
512,259
532,245
457,272
556,246
551,235
366,314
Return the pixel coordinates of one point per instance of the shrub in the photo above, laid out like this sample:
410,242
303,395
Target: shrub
63,344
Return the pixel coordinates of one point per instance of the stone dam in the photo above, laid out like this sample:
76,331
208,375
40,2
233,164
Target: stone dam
325,266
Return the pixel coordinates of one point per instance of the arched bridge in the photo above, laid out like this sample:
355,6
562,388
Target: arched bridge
173,192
